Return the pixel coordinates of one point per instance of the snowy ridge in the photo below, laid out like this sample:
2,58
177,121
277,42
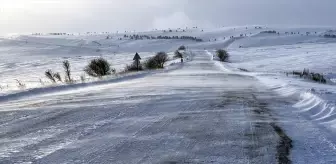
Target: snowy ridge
307,102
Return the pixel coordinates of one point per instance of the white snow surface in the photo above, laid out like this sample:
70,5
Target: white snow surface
201,111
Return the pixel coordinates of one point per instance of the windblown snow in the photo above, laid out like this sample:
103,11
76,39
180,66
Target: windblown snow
247,110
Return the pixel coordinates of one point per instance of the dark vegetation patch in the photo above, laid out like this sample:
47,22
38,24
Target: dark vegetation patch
134,67
223,55
50,75
99,67
157,61
243,70
306,74
148,37
268,32
182,48
329,35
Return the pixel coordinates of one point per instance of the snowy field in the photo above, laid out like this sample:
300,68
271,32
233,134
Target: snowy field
159,116
27,57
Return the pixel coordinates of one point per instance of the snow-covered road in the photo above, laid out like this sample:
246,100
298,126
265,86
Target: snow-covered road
196,114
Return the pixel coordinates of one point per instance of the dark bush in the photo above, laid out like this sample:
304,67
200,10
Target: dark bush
133,67
98,67
297,73
269,32
50,75
323,80
311,75
151,64
182,48
222,55
156,61
318,78
243,69
330,36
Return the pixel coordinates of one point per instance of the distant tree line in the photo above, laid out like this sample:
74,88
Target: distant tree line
269,32
330,36
318,77
56,33
142,37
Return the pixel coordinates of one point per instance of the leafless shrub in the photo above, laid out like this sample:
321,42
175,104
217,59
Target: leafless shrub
20,84
66,66
133,67
58,77
50,75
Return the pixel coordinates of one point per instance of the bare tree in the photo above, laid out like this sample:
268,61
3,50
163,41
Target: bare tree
161,58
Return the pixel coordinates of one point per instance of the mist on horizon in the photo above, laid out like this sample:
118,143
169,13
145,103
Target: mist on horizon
25,16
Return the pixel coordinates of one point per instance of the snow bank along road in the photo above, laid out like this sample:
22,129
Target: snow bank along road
196,114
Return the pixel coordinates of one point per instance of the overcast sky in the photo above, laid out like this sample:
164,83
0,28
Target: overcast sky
17,16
